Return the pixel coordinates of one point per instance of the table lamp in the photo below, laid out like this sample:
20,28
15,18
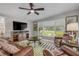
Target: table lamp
73,29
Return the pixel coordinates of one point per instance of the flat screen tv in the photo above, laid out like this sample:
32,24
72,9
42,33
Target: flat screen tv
19,25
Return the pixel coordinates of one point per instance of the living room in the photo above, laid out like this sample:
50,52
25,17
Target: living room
39,29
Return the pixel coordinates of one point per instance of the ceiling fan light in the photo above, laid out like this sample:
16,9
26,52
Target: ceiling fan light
32,11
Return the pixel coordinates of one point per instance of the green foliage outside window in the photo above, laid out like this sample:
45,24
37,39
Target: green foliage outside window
51,31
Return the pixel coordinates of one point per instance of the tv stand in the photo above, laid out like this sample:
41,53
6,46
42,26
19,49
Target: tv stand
19,35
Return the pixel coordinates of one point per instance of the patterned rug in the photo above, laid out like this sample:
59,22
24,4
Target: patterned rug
38,49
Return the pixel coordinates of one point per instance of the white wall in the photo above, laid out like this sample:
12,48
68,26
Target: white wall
2,26
9,26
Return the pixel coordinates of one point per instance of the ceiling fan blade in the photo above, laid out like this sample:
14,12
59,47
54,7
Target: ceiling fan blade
36,13
24,8
31,5
28,13
39,9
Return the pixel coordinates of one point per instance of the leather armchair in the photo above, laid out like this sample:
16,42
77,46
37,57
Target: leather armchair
63,51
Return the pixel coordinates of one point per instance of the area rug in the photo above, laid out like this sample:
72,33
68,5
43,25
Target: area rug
38,48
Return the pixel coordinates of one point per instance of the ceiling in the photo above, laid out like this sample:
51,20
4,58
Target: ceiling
51,9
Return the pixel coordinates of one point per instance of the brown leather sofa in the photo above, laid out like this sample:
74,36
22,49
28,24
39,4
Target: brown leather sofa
27,51
63,51
22,51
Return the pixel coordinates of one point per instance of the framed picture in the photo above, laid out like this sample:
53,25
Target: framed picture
70,19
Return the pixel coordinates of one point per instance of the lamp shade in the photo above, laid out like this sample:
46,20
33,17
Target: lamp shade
72,27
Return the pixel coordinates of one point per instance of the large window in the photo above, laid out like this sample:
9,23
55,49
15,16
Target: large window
46,31
52,28
2,26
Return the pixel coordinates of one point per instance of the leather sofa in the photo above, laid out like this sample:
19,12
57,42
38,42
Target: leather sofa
27,51
62,51
12,49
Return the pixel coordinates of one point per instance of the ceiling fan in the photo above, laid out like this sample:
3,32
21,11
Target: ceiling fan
32,10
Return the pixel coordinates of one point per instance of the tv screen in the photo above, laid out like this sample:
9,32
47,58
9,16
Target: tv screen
19,25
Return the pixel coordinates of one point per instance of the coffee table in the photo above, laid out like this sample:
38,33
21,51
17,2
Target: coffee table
34,40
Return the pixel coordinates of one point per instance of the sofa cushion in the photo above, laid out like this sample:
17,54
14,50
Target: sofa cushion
27,51
69,51
57,52
3,40
3,53
0,46
9,48
47,52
